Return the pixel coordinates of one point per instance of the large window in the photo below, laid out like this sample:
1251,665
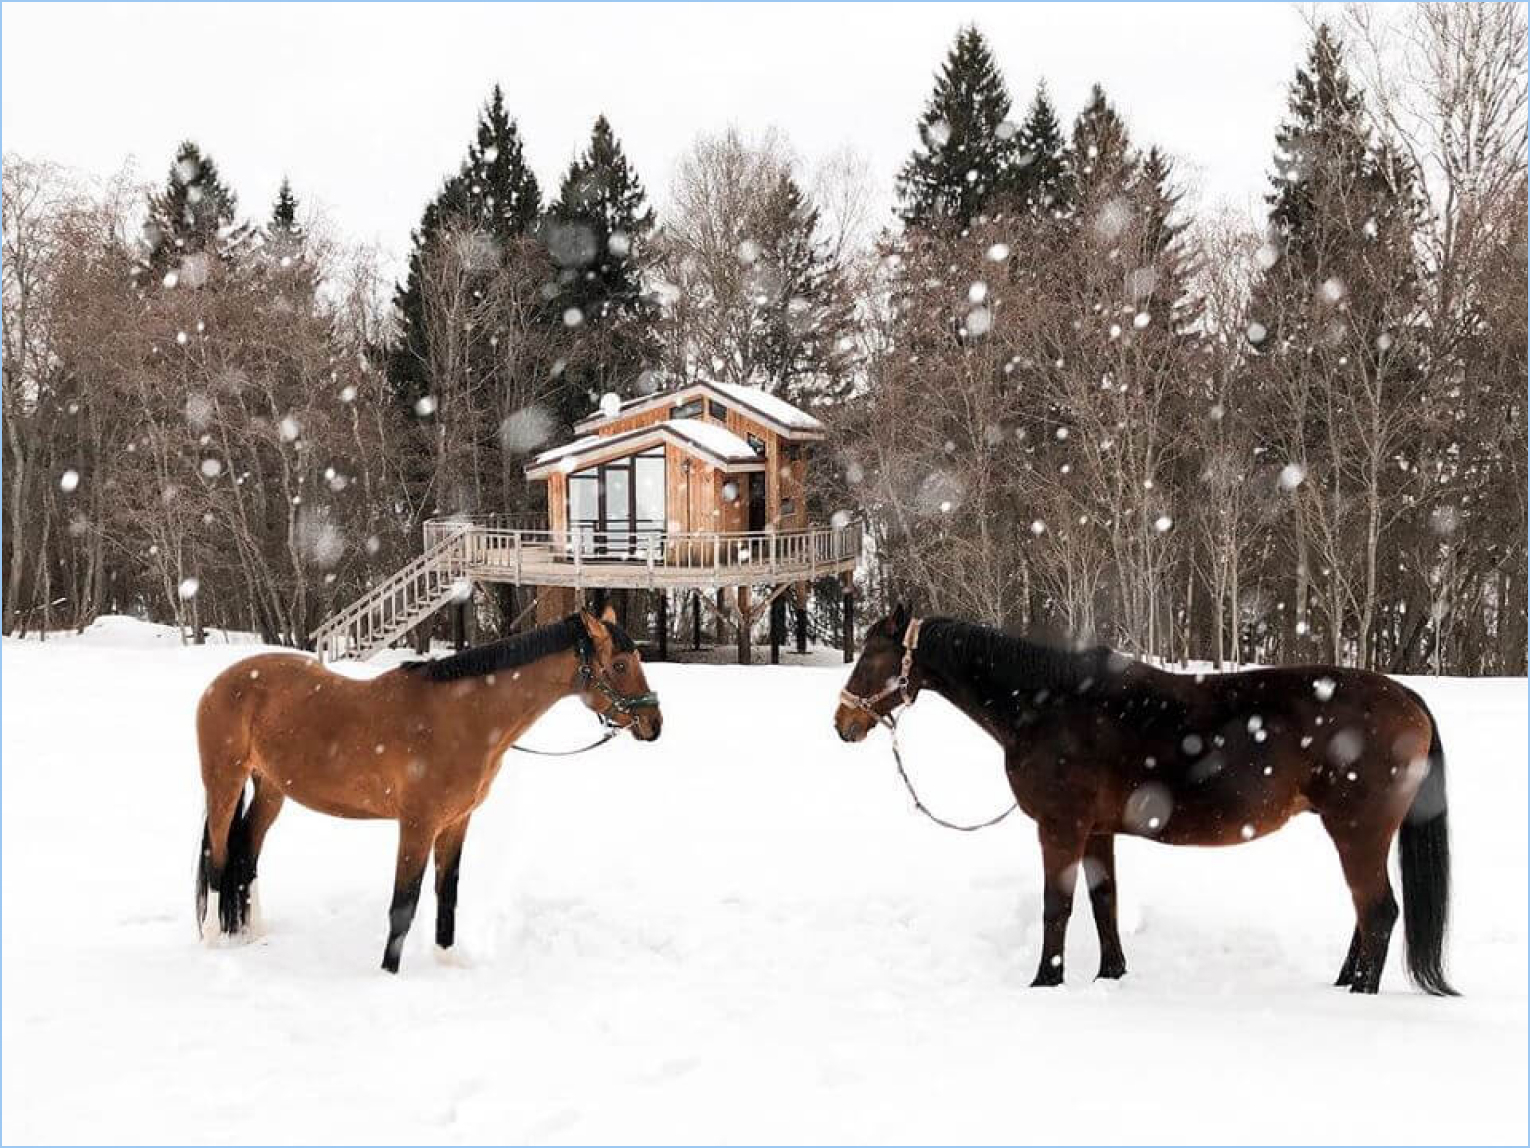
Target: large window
617,509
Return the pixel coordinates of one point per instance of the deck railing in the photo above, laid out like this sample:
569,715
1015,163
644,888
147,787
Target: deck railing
488,547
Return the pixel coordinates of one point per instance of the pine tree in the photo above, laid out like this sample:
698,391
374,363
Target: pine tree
285,253
802,342
1040,183
1099,162
494,191
970,155
1168,297
1333,330
498,191
192,216
597,232
284,212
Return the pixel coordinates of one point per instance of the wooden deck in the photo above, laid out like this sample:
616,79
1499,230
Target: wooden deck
486,552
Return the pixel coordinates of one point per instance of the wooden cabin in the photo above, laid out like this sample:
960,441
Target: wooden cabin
710,457
701,489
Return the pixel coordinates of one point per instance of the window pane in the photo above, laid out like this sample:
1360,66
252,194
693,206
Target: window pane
649,472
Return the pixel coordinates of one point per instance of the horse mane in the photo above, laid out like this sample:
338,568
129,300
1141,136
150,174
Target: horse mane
998,664
517,650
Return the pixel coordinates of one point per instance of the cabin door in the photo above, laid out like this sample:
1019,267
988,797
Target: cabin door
756,503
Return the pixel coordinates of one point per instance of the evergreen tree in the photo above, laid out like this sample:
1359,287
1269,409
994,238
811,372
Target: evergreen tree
495,192
597,232
284,252
1040,183
802,342
1335,337
970,154
284,212
193,215
1166,293
1099,162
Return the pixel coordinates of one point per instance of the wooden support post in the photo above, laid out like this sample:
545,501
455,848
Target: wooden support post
696,619
459,626
777,628
848,613
721,627
741,597
801,620
663,620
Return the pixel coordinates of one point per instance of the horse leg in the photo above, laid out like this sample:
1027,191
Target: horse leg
1061,851
1100,874
448,863
1364,858
222,882
264,807
414,841
1347,970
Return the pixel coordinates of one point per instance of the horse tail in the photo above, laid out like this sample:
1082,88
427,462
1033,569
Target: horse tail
1423,847
232,885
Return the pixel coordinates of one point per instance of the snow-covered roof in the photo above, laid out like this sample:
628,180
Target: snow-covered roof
792,421
715,444
717,439
575,447
776,409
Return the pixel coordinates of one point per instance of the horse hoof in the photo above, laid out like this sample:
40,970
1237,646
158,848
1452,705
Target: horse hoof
1113,973
452,958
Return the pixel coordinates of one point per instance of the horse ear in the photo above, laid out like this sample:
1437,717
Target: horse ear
608,614
597,632
901,616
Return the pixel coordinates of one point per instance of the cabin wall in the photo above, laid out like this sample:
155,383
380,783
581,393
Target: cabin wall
634,421
557,501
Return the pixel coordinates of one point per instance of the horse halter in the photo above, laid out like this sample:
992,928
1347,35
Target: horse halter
898,685
624,704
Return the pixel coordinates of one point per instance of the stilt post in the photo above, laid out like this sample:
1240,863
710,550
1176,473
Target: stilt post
848,617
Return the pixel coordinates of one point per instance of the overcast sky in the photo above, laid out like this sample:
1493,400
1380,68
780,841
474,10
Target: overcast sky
367,106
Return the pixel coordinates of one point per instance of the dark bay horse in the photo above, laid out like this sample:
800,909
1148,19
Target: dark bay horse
1096,744
419,744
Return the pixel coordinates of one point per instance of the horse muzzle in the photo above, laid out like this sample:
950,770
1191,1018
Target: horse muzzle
852,723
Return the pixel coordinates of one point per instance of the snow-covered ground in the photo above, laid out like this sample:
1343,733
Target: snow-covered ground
739,933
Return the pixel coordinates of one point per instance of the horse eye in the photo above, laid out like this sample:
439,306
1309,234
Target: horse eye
619,667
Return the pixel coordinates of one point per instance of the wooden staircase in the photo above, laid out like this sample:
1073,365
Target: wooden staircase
394,607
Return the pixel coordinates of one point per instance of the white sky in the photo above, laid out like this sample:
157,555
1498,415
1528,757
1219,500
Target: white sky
368,106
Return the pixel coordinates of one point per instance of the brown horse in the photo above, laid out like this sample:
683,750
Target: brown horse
419,744
1096,744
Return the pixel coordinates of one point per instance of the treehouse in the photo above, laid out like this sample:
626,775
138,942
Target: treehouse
698,492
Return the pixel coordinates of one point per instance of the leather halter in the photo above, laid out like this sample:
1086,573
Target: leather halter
898,685
624,704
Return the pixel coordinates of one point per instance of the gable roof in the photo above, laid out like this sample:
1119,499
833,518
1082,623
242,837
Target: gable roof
714,445
781,416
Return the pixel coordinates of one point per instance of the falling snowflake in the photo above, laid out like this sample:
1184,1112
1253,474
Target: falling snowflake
1292,475
998,253
188,589
68,481
1323,688
425,406
1163,523
1256,333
